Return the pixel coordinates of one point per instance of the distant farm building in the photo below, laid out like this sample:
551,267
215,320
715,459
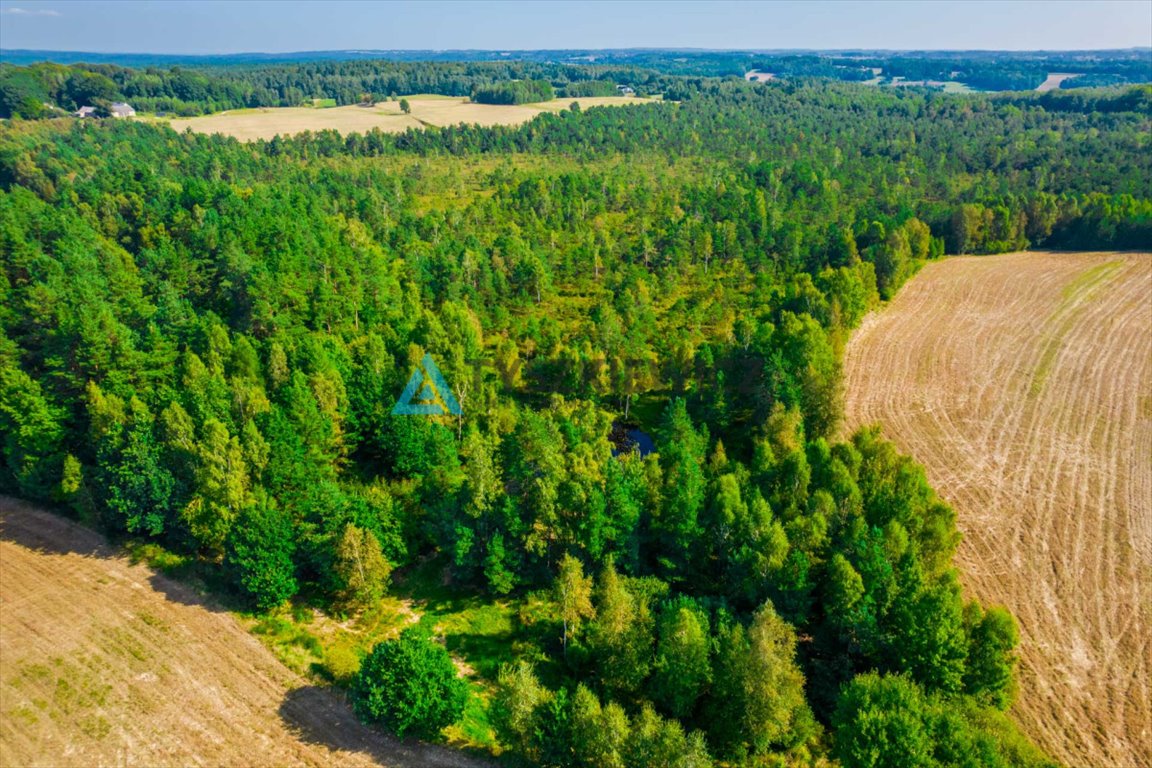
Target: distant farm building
120,109
625,90
85,112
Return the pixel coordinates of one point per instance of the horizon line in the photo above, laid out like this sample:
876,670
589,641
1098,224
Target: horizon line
675,49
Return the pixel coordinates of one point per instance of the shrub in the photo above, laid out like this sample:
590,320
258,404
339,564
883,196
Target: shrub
341,662
409,685
259,556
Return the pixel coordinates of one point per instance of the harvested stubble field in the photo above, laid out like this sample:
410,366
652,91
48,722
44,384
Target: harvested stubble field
1053,81
437,111
1023,382
107,663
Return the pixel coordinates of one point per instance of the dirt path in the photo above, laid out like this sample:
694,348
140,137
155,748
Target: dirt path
1023,382
106,663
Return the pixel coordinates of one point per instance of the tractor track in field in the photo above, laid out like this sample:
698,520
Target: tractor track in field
1023,383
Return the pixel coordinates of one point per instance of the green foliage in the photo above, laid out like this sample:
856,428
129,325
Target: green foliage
599,734
33,435
654,742
410,686
415,447
514,92
620,636
139,487
22,93
682,450
260,555
757,698
931,643
572,595
342,663
590,88
202,340
880,721
682,670
221,486
889,721
561,730
518,697
360,569
992,640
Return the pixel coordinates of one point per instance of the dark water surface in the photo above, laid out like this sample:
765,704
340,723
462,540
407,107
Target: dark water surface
626,439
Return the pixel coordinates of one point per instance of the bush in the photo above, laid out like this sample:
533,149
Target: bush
259,556
880,721
342,663
410,686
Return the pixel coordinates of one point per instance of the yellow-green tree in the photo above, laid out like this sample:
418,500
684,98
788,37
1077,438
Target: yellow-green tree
361,570
572,595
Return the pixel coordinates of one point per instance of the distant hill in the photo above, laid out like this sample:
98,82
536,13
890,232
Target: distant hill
609,56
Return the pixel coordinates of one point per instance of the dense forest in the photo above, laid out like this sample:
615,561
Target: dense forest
202,341
526,92
200,85
31,91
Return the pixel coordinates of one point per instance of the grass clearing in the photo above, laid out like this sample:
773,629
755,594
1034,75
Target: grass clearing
480,635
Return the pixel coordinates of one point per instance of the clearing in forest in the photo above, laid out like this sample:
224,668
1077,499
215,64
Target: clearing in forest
1023,383
439,111
1054,79
103,662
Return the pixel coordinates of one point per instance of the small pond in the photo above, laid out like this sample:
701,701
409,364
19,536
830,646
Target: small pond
626,439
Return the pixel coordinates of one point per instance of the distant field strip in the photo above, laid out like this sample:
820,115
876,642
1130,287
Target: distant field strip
1054,79
106,663
250,124
1023,382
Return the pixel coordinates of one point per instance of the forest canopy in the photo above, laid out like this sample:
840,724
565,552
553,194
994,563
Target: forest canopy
193,85
202,341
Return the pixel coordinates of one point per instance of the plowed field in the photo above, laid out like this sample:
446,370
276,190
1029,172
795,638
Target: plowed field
1023,382
107,663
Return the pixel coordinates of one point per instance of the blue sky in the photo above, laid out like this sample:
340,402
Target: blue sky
213,26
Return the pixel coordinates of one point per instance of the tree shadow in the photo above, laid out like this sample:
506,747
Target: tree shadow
314,714
49,531
486,653
34,528
193,592
321,716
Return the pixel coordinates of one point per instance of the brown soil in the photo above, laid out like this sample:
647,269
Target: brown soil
107,663
1023,382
